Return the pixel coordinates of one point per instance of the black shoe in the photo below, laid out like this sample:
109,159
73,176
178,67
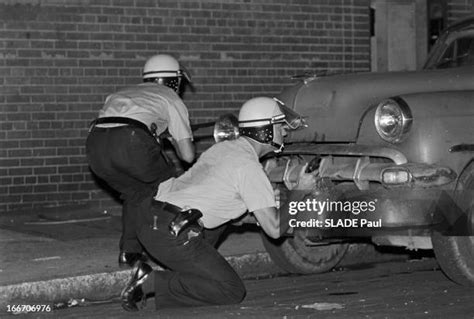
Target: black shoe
126,260
133,292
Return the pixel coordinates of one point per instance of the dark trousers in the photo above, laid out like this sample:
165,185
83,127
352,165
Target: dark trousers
196,275
130,161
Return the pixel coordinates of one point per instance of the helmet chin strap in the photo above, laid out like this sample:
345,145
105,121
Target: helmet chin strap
279,147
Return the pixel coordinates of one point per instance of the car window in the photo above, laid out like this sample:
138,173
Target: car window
459,53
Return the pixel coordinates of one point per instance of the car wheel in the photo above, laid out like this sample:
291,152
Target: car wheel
293,255
455,254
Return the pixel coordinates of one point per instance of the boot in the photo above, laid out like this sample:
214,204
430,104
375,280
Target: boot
133,292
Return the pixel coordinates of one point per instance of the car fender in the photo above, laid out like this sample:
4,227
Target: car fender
442,122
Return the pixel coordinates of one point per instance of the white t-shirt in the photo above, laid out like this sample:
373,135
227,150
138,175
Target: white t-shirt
225,182
151,103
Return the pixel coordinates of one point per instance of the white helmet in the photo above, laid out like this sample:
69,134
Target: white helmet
258,115
164,69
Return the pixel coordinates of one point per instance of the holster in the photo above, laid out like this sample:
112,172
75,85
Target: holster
184,220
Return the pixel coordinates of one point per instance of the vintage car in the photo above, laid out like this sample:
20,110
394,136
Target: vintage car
400,142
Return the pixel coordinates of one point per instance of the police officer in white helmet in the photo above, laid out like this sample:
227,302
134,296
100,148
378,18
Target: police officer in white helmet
226,181
123,145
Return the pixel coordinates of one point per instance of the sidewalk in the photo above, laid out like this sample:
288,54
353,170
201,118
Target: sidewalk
58,254
54,255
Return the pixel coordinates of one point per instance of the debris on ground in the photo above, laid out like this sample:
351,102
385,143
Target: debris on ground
322,306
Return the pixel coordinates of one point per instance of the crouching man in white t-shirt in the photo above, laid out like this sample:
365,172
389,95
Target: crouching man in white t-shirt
226,182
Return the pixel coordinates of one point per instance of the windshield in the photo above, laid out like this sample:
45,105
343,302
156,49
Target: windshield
452,50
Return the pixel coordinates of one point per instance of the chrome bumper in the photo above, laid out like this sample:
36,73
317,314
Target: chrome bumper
361,171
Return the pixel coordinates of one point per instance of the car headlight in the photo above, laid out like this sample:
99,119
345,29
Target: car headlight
393,120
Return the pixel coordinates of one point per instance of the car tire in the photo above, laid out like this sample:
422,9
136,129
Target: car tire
292,255
455,254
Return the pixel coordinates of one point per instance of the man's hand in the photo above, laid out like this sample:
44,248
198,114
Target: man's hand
306,181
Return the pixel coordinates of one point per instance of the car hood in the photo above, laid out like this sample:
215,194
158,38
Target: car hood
334,105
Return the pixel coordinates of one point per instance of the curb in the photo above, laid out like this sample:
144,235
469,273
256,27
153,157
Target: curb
106,285
109,284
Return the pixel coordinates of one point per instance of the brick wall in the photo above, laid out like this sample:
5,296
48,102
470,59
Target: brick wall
458,9
60,58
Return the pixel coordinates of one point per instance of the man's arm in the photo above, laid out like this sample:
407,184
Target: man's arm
185,149
270,219
180,131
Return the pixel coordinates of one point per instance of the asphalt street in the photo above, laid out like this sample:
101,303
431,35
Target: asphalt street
404,289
